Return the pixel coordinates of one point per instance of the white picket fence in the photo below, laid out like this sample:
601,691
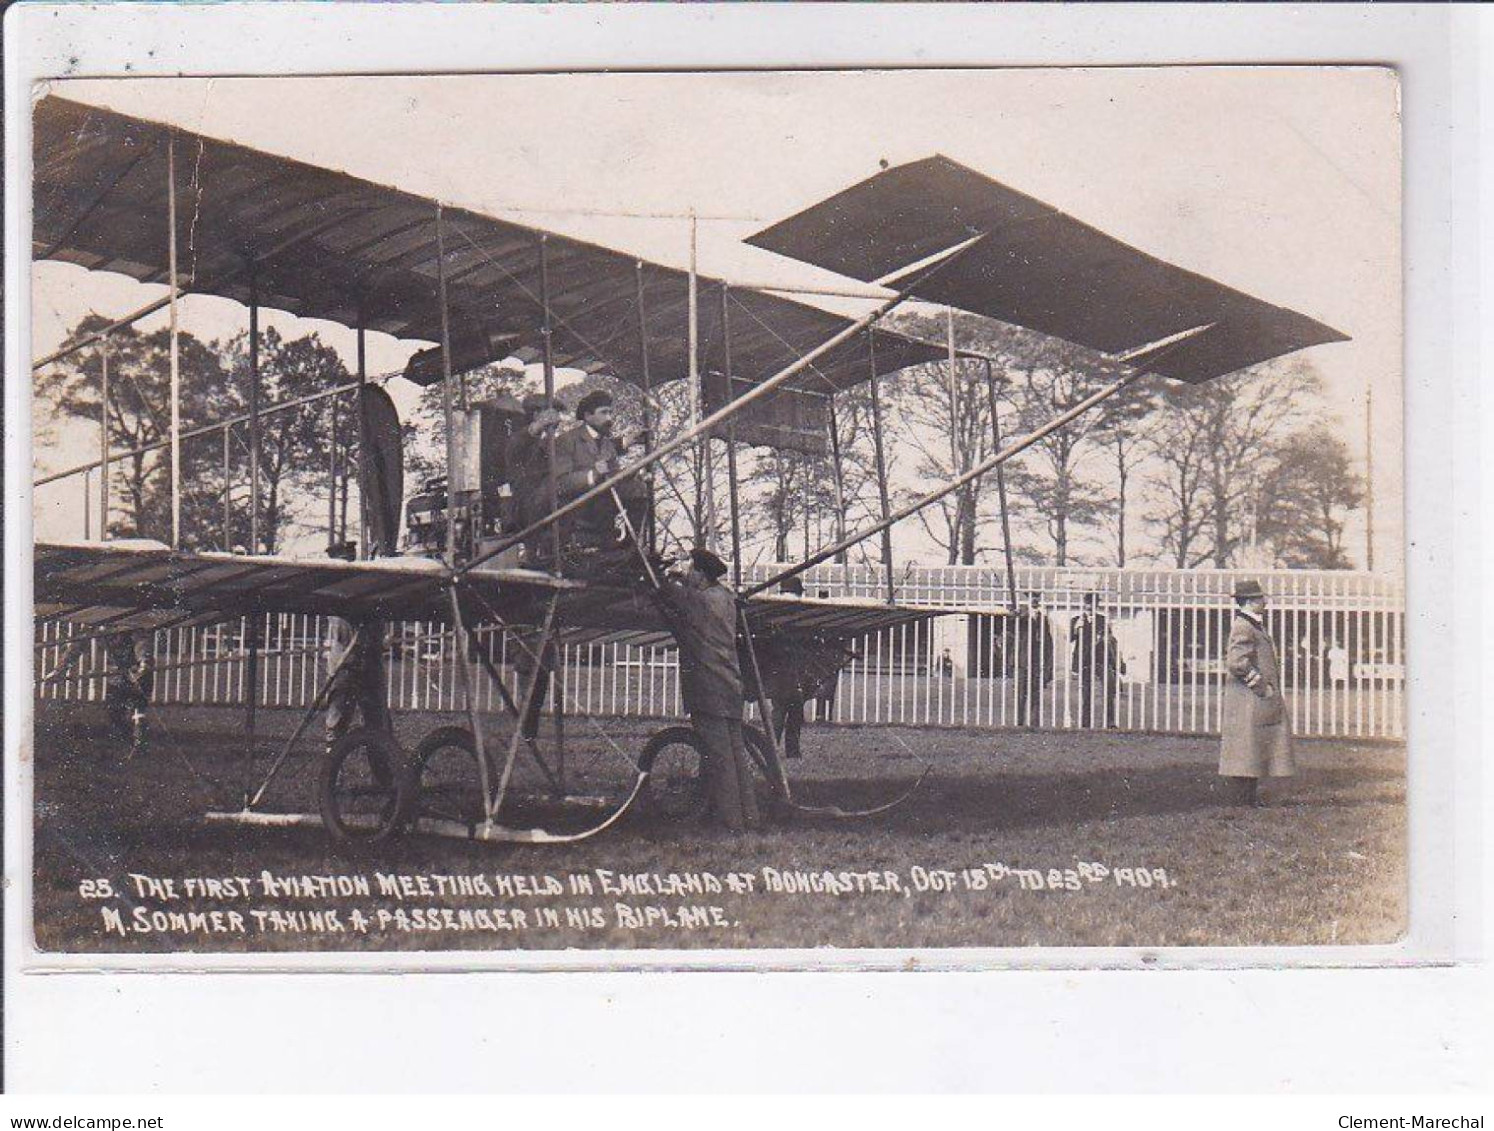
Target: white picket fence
1340,636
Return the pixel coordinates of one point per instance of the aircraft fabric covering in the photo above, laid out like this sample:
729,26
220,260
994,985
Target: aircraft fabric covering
323,244
113,586
1038,268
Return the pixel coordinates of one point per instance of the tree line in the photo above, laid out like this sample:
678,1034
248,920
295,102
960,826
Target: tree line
1240,468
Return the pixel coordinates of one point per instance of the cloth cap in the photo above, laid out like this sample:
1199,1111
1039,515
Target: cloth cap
708,563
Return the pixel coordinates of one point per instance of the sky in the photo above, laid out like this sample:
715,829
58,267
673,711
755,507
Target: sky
1282,182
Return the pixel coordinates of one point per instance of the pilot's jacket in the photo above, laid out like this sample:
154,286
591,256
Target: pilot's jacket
577,453
704,621
1257,738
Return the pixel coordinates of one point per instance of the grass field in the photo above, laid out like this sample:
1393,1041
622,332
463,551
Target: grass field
1039,838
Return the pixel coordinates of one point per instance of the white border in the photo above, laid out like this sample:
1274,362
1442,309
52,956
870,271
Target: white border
1432,47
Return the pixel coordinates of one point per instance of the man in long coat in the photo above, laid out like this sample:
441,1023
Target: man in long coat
1031,660
703,617
1257,739
526,459
1095,659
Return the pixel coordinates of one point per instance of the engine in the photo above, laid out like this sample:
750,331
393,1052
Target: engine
476,497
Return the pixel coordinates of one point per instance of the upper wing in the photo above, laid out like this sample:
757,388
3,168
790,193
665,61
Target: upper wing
1037,267
324,244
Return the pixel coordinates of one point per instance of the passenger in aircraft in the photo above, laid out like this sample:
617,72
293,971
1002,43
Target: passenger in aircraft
527,459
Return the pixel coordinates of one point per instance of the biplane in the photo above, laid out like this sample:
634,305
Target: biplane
112,193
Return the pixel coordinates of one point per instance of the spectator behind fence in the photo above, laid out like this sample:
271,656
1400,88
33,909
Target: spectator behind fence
1095,659
1256,740
1032,659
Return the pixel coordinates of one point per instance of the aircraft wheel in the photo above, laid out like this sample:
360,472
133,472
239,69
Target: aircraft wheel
361,789
445,781
675,763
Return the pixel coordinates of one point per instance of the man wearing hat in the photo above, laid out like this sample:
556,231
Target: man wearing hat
1095,659
584,456
1031,660
1256,741
527,460
703,616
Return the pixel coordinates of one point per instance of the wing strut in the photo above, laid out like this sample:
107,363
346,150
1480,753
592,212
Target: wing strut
724,413
1153,352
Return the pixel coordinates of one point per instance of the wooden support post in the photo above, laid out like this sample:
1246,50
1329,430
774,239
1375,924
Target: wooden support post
962,516
254,546
176,371
446,394
468,685
732,486
332,478
837,480
881,459
227,489
547,336
252,622
363,554
648,408
702,517
104,440
1006,526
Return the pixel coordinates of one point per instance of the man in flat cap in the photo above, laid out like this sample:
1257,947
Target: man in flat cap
1257,740
703,616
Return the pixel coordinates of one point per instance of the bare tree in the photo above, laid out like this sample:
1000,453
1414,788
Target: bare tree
1120,429
1304,500
1178,446
943,417
1215,442
1051,377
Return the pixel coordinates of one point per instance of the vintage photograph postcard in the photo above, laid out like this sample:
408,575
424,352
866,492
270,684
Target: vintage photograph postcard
870,510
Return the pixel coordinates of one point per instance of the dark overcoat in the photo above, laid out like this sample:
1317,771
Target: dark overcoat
1257,738
704,622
